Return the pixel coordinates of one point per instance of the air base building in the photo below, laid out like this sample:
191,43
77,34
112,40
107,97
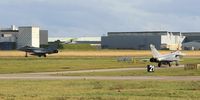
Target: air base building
13,38
142,40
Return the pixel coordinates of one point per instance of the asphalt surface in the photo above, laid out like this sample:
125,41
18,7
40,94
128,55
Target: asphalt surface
55,76
100,70
175,78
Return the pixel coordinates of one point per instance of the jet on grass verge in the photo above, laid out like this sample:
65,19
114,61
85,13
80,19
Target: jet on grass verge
165,59
39,51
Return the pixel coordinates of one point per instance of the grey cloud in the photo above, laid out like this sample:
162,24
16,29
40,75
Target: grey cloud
96,17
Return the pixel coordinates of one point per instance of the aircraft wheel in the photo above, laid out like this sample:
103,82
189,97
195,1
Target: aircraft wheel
159,64
169,64
177,64
26,54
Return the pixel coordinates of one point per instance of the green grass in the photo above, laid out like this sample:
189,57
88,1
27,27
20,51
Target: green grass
158,72
191,60
78,47
98,90
35,64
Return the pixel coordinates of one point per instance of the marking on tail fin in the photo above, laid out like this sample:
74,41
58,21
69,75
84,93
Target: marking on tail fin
154,51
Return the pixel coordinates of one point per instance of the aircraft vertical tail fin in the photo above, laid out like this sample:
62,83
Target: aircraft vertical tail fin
154,51
52,49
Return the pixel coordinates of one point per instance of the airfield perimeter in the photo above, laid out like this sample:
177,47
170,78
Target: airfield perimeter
102,53
55,76
95,75
99,53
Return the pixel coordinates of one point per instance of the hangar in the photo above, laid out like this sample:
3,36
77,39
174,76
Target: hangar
192,41
13,38
194,45
142,40
191,36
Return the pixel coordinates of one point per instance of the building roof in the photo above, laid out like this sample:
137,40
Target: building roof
146,33
89,39
191,33
53,39
153,33
28,26
9,30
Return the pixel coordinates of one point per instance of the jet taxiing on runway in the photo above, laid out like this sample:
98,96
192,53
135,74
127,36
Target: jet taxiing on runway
165,59
39,51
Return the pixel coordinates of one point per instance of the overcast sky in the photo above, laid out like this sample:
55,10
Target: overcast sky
76,18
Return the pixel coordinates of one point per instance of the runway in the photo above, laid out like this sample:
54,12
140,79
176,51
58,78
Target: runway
172,78
100,70
55,76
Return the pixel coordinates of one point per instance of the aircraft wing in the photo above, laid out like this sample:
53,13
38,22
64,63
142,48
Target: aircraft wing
169,58
29,49
39,51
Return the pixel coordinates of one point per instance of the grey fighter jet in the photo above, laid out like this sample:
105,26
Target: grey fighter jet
39,51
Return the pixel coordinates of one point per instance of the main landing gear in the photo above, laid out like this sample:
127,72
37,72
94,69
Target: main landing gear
26,54
167,63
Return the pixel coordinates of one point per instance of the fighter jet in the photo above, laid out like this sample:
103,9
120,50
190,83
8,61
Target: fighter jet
39,51
165,59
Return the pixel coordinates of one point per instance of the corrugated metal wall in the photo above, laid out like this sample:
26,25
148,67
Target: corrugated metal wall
7,45
43,37
191,38
130,42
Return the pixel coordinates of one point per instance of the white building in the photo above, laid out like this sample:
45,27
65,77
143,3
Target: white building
28,36
12,38
80,40
88,40
62,39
